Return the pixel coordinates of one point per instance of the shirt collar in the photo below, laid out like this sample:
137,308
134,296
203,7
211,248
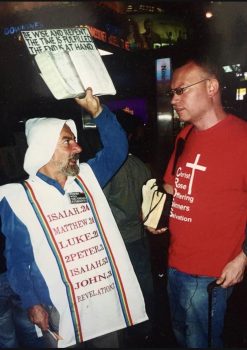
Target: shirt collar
51,182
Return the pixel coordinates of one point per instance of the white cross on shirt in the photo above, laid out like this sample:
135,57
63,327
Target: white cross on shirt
194,166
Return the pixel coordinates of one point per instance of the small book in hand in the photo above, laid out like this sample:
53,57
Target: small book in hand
156,205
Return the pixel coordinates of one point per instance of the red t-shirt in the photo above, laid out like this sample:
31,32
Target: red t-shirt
209,210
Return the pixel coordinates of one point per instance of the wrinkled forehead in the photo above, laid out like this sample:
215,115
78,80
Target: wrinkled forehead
66,130
66,133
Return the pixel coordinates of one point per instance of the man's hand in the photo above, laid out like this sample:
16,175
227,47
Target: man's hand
168,188
233,272
39,316
156,231
90,103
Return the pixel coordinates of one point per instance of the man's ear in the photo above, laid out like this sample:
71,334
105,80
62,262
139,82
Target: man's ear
213,87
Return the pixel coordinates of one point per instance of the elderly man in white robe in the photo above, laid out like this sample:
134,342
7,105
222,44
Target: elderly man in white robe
66,258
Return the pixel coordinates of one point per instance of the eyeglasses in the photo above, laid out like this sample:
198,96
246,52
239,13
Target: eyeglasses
180,90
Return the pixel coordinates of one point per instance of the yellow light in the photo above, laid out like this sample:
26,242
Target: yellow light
208,14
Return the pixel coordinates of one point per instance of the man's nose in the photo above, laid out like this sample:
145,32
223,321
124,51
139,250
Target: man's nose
76,147
174,99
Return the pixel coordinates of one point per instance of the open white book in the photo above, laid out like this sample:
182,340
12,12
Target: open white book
69,74
69,61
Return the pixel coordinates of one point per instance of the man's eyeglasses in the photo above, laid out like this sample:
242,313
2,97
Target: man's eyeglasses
180,90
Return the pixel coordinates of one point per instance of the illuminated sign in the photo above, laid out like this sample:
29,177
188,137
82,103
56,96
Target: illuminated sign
163,70
97,33
110,39
163,77
240,93
17,29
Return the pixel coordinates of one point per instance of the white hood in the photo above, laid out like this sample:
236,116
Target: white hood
42,136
